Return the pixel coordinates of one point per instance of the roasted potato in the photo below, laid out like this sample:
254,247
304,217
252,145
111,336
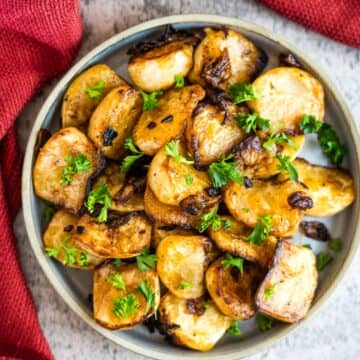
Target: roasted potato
332,189
156,68
289,287
51,162
254,161
182,262
233,240
232,291
225,57
284,201
113,120
58,236
209,136
186,328
286,94
105,295
168,121
77,105
121,237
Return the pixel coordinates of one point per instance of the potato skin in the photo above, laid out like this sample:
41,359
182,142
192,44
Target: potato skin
118,111
225,57
168,121
195,332
61,226
121,238
232,292
156,69
184,259
51,162
294,268
286,94
77,106
233,241
104,295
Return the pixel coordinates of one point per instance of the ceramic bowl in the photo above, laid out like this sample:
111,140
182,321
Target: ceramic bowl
74,286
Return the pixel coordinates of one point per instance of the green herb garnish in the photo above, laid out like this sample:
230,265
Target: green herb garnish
236,262
145,290
309,124
95,91
264,322
269,292
212,219
188,180
129,160
234,329
278,139
179,81
125,306
308,246
335,244
323,259
286,166
252,122
150,101
242,92
184,285
100,196
115,279
74,165
83,259
261,230
49,210
117,262
69,252
146,261
172,150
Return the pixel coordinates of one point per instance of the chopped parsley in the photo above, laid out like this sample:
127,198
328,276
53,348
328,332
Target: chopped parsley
115,279
308,246
278,139
83,259
261,230
251,122
269,292
223,171
69,252
129,160
245,210
309,124
172,150
179,81
184,285
100,196
335,244
212,219
286,166
322,260
146,261
117,262
125,306
95,91
233,262
150,101
242,92
188,180
234,329
74,165
49,210
264,322
145,290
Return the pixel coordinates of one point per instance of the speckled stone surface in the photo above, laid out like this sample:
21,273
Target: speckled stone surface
334,333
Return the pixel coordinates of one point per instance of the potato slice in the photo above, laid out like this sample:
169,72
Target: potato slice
199,332
182,262
77,105
233,240
168,121
254,161
207,130
122,237
289,287
286,94
113,120
156,69
225,57
51,162
266,198
105,294
59,232
233,292
332,189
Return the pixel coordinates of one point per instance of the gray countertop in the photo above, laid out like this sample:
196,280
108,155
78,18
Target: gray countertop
334,333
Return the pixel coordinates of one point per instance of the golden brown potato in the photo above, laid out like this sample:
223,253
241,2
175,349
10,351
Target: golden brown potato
207,131
268,198
224,57
254,161
106,296
122,237
233,292
58,236
199,331
286,94
113,120
332,189
77,105
156,69
51,162
289,287
182,262
233,240
168,121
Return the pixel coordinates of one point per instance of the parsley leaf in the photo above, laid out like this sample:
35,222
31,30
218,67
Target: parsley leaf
308,246
179,81
287,166
115,279
264,322
117,262
150,100
83,259
146,261
49,210
331,145
212,219
100,196
184,285
123,307
129,160
323,259
251,122
69,252
145,290
74,164
309,124
335,244
172,149
95,91
261,230
242,92
234,262
222,172
278,139
234,329
188,180
269,292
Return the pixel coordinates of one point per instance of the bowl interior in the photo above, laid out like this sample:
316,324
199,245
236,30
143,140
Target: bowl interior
76,285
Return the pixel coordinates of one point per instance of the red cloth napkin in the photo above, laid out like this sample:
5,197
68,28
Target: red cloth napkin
38,40
338,19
